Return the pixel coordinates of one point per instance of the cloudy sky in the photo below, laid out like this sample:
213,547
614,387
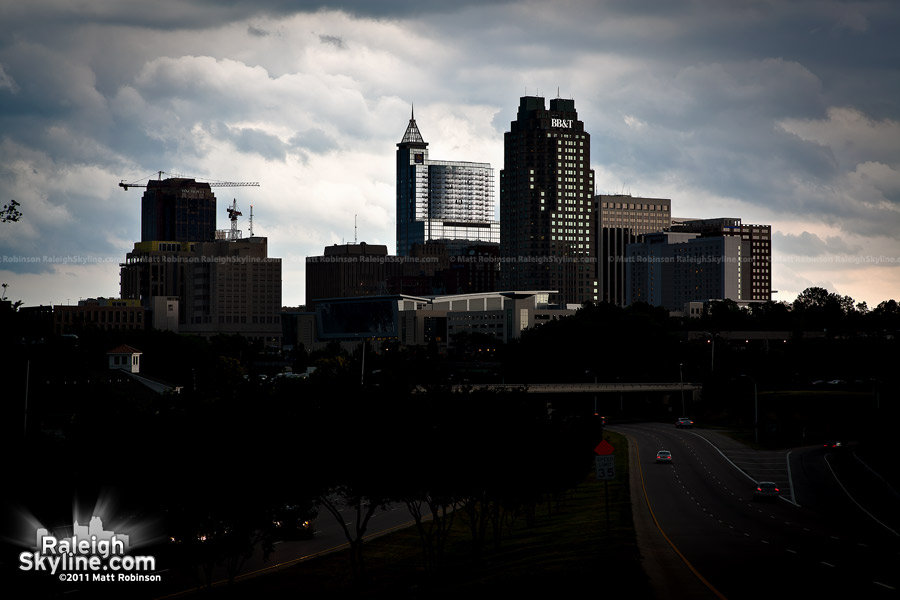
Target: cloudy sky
776,112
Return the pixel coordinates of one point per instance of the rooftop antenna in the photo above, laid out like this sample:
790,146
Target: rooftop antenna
251,220
354,230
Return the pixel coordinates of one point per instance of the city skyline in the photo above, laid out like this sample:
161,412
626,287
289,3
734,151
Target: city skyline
781,113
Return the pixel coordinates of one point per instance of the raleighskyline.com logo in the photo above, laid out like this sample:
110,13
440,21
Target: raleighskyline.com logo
91,554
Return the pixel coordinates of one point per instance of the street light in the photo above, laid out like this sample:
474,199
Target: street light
681,379
712,356
755,411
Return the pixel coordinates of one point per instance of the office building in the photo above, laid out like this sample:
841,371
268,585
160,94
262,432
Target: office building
437,319
755,282
179,210
100,314
674,269
357,270
224,286
547,219
621,220
441,201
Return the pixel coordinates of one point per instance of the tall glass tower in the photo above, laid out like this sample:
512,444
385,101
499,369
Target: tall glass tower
442,201
547,210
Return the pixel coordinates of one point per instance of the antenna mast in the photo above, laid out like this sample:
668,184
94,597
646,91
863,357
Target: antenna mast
354,230
251,220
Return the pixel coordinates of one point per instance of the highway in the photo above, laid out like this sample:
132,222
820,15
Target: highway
711,539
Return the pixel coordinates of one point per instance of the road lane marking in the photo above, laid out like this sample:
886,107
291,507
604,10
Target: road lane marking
852,499
663,533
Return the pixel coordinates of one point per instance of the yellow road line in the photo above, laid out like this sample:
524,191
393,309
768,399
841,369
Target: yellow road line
659,527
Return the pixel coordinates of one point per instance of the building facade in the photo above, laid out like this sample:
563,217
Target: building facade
442,201
547,220
423,320
103,314
756,281
357,270
179,210
222,286
622,220
674,269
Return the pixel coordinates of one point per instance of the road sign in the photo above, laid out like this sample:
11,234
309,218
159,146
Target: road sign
606,466
604,448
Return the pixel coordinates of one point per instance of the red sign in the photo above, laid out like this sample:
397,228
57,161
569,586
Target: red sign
604,448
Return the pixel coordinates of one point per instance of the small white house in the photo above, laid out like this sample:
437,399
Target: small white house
125,358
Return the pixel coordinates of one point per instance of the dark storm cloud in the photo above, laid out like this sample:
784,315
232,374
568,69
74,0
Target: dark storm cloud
809,244
257,32
333,40
314,141
203,14
248,140
788,110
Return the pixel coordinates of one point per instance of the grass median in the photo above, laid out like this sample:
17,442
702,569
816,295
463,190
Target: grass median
570,546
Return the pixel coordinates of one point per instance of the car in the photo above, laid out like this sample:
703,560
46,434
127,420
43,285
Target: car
663,456
766,490
684,423
833,444
291,522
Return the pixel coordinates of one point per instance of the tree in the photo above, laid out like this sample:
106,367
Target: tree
10,212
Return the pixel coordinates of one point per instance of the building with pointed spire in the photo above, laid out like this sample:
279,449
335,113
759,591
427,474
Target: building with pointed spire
448,202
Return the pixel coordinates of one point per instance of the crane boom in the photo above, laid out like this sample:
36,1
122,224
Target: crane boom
212,183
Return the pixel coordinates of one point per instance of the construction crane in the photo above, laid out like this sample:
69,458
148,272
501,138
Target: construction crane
233,214
211,183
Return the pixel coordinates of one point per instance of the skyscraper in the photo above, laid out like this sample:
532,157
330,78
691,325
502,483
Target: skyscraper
450,202
178,210
547,209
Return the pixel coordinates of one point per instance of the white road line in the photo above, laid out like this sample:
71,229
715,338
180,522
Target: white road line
852,499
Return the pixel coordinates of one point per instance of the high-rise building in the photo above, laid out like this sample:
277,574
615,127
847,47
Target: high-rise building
179,210
547,220
672,269
622,220
449,202
755,282
221,286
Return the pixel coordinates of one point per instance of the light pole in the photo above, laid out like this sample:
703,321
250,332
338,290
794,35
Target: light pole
681,379
712,354
755,411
